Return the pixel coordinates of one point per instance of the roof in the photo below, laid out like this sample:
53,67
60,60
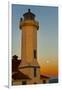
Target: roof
29,15
19,76
29,66
43,76
53,80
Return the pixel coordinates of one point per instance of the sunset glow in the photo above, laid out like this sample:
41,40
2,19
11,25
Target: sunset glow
47,39
49,67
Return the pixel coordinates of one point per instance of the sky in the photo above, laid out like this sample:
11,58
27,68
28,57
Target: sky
47,36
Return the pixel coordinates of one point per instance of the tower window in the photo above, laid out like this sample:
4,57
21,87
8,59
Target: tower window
35,54
34,72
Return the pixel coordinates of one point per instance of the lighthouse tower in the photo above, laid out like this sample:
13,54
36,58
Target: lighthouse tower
29,65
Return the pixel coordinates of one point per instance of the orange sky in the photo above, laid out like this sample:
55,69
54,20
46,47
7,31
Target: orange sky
47,35
49,66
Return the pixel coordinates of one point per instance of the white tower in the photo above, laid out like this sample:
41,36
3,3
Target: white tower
29,65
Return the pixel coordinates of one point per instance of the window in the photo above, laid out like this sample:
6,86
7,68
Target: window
23,82
35,83
44,81
35,54
34,72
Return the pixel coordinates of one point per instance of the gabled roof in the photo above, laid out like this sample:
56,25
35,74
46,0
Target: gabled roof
19,76
29,66
43,76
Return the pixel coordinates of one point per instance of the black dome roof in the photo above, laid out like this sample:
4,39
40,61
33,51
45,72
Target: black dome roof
29,15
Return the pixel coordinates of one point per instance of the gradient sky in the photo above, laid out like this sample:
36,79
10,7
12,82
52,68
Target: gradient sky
47,35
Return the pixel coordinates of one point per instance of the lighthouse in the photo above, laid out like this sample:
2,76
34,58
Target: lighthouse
29,65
